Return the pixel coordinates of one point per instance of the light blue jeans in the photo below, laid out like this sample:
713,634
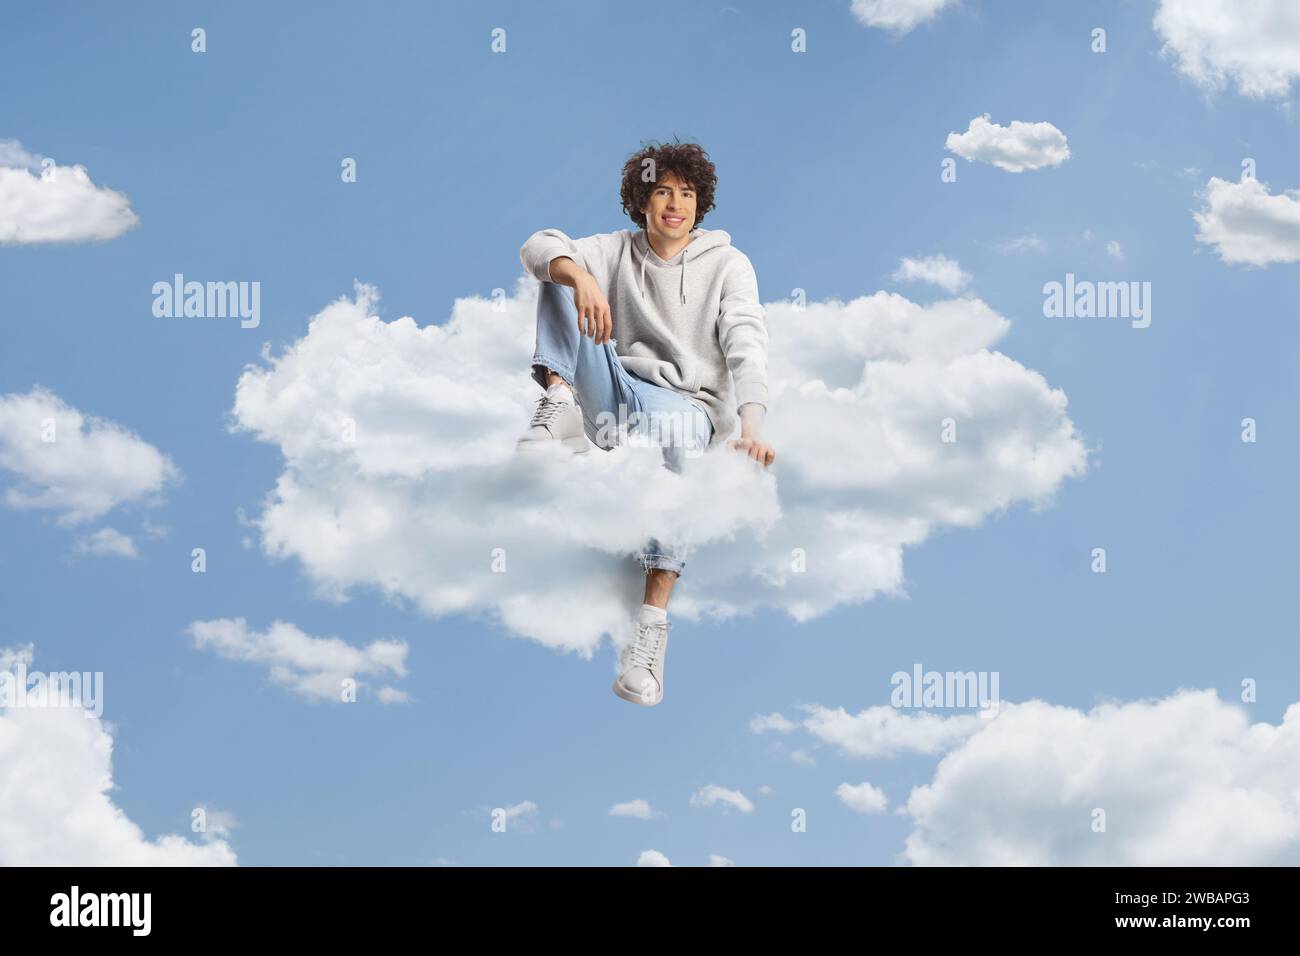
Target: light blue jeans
616,403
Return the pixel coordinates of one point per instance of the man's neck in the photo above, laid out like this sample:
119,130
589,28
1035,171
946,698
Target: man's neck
666,249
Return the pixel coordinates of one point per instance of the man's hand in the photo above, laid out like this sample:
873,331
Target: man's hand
594,316
760,451
749,442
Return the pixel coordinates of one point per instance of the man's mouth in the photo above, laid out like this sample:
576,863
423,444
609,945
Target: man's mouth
673,221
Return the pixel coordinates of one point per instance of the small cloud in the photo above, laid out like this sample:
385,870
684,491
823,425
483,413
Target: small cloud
640,809
43,202
936,270
107,542
218,824
1114,250
712,795
1028,243
1015,148
312,667
897,16
520,816
155,531
883,730
73,464
862,797
1247,224
652,858
718,860
774,722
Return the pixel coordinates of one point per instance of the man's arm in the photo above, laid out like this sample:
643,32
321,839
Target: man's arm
551,256
594,254
742,332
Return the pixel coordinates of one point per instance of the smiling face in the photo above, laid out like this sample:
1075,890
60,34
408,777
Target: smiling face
670,212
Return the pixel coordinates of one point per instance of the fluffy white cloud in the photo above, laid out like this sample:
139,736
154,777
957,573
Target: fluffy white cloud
883,731
897,16
45,202
218,823
107,542
1027,243
1247,224
55,804
713,795
313,667
937,270
1015,148
76,465
1183,781
640,809
1252,43
401,474
520,816
1186,780
778,722
1115,250
655,858
862,797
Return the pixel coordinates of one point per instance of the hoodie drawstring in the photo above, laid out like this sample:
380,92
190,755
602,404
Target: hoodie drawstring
681,289
644,256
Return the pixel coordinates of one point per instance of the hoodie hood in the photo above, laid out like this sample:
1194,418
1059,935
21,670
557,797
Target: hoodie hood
702,241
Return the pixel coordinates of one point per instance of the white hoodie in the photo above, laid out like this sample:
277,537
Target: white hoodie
692,323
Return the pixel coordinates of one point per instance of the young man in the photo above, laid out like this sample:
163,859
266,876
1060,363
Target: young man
659,330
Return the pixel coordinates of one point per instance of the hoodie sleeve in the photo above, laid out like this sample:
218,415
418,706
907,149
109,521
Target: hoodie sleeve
742,332
597,254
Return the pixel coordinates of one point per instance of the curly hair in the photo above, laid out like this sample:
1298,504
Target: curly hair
689,161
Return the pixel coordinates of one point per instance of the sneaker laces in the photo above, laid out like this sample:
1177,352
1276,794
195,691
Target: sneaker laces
547,410
649,644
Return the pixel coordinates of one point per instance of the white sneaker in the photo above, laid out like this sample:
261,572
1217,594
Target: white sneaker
642,665
557,418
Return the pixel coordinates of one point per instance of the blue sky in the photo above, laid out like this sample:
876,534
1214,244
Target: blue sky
829,173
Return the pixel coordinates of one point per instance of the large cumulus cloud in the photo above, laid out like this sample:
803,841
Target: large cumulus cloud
56,803
1183,780
400,471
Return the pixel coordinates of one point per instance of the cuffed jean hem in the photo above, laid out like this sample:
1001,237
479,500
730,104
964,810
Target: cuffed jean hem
541,363
650,560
